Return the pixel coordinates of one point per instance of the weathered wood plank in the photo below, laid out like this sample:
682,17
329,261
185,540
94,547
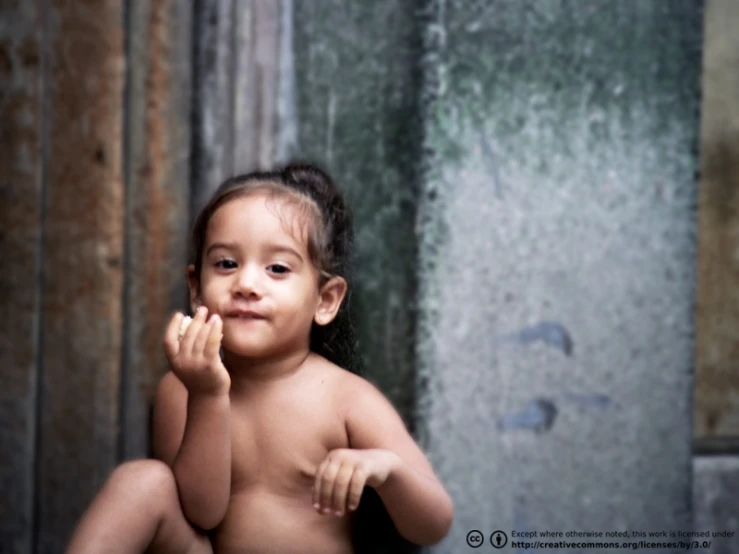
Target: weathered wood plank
286,109
82,288
716,409
255,78
213,78
20,216
157,177
236,98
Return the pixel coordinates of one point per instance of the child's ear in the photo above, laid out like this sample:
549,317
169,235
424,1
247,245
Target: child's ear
193,284
329,302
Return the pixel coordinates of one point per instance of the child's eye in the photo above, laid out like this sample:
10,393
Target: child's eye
225,264
278,268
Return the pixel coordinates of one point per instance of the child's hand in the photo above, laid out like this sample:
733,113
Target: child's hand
342,476
195,358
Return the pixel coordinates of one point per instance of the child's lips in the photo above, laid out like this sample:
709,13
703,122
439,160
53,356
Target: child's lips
245,314
245,321
247,318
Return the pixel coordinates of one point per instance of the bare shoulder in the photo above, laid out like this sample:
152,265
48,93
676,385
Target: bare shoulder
372,421
357,393
345,387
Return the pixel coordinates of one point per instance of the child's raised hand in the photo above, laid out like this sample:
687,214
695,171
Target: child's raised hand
342,476
195,358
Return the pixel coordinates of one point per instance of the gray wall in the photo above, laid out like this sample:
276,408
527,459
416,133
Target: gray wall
558,263
557,176
555,144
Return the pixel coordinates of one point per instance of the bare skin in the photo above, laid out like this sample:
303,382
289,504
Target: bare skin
280,435
138,509
267,449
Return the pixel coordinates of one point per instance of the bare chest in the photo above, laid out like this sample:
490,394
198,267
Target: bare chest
278,443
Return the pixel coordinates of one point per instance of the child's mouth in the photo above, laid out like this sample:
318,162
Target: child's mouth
248,317
245,314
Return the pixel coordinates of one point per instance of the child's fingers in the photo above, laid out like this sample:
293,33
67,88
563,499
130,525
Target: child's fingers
213,342
172,335
318,483
323,487
198,347
188,341
327,486
356,487
341,488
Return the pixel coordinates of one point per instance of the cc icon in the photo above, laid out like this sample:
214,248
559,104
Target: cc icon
475,538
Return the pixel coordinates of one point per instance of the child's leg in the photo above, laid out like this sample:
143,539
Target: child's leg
137,511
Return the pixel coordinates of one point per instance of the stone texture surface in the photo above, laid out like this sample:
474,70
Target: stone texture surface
557,247
715,505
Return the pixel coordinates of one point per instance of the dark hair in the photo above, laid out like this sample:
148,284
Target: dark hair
330,239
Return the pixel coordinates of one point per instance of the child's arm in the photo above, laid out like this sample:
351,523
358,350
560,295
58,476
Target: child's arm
192,424
383,455
192,436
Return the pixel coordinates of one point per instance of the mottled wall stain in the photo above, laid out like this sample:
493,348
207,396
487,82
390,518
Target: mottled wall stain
557,265
358,80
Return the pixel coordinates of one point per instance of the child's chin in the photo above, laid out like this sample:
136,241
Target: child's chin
246,347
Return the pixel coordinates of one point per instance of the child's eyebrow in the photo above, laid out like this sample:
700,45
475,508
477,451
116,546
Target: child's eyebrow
283,248
272,248
224,245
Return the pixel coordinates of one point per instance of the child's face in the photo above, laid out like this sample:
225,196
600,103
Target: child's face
257,275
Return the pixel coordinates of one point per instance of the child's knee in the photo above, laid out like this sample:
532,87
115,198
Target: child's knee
150,476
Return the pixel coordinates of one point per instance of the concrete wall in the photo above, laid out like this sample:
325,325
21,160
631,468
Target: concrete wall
558,244
715,482
556,179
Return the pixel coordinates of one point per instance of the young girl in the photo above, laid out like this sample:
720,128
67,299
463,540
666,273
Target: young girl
263,444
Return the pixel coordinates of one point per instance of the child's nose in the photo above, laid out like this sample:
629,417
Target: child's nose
249,281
